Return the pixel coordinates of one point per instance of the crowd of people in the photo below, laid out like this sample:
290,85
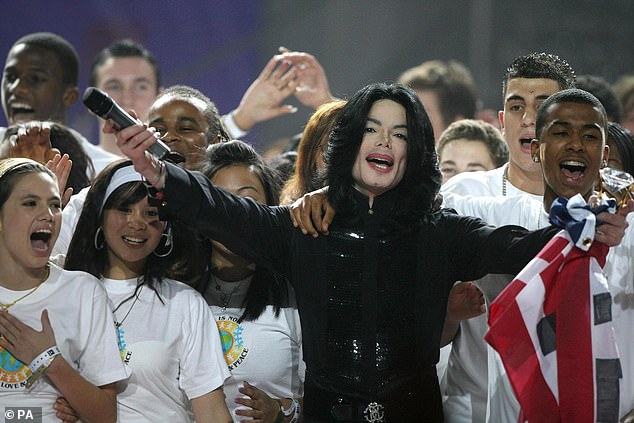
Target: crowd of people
189,288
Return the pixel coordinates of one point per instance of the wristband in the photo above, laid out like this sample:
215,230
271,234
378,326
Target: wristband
295,410
40,364
232,127
298,411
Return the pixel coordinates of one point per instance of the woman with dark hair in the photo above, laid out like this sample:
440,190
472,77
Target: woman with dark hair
57,337
372,295
165,329
621,143
254,306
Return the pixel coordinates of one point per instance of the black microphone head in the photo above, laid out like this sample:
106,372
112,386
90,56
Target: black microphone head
97,101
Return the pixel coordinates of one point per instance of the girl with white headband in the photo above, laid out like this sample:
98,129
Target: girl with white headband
167,336
56,332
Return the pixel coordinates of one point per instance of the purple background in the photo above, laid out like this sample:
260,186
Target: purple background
219,47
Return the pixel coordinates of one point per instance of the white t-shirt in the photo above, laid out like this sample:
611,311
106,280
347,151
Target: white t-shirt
171,349
266,352
619,271
480,194
81,317
490,183
472,362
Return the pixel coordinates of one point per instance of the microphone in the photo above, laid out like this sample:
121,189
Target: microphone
105,107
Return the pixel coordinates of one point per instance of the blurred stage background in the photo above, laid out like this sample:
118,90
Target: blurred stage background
219,47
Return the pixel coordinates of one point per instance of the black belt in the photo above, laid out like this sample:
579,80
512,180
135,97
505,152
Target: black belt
407,406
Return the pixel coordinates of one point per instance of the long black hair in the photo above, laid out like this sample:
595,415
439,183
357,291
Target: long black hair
417,191
267,286
84,255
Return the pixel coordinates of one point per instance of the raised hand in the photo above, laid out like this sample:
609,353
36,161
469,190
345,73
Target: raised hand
133,142
263,99
313,89
612,230
61,167
32,141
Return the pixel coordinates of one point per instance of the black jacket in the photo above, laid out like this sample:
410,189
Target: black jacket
426,259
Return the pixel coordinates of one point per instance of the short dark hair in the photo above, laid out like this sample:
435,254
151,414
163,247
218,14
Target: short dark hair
419,187
602,90
572,95
476,130
623,140
124,48
65,52
540,65
216,128
451,81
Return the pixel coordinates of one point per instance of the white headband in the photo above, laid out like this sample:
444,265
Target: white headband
120,177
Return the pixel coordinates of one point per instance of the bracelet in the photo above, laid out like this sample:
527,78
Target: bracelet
232,127
290,410
298,411
295,410
40,364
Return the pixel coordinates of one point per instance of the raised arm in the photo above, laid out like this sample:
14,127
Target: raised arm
263,99
257,232
313,89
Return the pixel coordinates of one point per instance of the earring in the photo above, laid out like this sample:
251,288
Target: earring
167,241
536,158
97,243
604,163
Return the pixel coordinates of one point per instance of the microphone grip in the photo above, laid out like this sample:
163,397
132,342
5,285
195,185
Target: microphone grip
105,107
122,120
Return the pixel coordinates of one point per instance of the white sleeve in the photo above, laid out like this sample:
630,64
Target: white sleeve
203,366
468,205
70,217
467,183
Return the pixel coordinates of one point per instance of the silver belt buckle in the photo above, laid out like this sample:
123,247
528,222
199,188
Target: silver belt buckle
374,413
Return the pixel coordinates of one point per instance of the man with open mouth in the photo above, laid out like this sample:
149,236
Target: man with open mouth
39,83
527,82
